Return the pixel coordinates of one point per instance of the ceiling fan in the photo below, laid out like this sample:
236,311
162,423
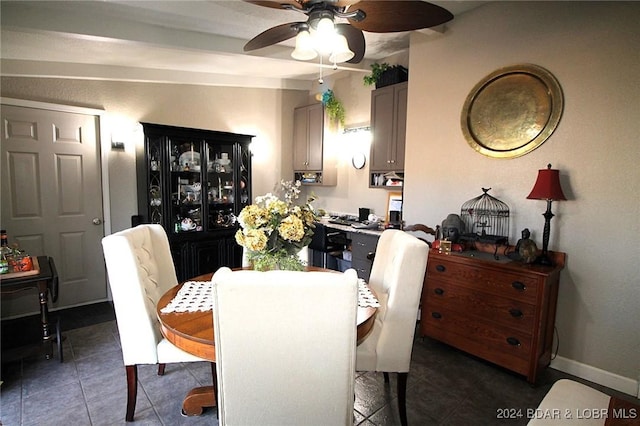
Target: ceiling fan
378,16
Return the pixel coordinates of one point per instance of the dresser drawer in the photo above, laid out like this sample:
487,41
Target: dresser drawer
511,313
488,340
496,351
515,286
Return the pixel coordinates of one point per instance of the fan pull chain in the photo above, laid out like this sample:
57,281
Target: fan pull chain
320,80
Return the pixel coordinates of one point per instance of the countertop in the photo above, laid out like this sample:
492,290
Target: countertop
349,228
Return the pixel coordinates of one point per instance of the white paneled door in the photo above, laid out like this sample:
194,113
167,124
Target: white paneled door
52,199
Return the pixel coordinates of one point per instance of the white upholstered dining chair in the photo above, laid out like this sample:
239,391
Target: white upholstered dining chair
140,270
396,277
285,347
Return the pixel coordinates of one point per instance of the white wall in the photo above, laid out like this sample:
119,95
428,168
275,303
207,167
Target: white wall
265,113
592,49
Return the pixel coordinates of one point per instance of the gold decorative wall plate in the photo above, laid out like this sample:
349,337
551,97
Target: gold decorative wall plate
512,111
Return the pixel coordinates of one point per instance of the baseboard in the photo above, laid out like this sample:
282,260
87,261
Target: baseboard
596,375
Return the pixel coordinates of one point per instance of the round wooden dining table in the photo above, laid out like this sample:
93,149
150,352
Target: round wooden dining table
193,332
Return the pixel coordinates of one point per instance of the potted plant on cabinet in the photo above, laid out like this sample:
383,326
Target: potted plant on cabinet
385,75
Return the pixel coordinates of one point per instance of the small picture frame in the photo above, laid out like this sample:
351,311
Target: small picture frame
394,204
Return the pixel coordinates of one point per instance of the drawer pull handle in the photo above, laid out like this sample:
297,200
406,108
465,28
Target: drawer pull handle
516,313
513,341
436,315
518,286
440,268
439,291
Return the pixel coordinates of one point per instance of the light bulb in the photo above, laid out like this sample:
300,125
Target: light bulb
325,28
323,36
340,51
304,47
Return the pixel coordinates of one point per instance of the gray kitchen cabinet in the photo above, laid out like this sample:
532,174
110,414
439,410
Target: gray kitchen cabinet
361,245
388,122
312,163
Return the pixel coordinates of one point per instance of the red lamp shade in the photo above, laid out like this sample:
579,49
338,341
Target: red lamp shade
547,186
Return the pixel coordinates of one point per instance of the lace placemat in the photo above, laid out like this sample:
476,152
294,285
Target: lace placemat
365,296
196,296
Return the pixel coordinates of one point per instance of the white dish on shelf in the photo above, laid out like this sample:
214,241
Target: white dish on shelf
190,158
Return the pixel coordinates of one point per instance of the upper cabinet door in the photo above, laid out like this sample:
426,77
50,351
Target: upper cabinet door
300,140
316,136
382,117
389,122
400,129
308,134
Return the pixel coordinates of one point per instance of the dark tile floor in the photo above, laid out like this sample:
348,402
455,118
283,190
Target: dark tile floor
445,387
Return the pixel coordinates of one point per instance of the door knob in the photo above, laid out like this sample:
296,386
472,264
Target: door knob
97,221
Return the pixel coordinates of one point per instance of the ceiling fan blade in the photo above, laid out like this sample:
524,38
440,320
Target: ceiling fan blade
272,36
355,40
389,16
276,4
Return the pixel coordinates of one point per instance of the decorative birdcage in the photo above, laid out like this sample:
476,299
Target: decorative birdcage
486,219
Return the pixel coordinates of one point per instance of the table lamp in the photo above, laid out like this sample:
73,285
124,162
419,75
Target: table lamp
547,187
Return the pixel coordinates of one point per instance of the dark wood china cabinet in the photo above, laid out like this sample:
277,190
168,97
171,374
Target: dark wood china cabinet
194,183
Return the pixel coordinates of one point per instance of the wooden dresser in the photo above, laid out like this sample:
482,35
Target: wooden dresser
499,310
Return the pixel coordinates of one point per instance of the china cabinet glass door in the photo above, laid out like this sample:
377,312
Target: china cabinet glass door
185,183
221,185
156,166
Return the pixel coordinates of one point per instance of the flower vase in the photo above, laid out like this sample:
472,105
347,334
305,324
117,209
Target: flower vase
276,262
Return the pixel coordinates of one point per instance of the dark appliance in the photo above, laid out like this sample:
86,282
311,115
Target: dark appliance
326,246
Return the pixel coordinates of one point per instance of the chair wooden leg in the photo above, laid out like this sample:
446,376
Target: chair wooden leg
132,391
161,369
215,378
402,397
386,377
215,387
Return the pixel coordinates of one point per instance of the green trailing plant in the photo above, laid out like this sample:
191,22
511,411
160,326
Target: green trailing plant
376,71
334,108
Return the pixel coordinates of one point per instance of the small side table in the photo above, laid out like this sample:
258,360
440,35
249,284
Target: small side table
46,281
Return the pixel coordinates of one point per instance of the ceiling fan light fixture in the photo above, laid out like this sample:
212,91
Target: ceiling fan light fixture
325,28
340,52
304,50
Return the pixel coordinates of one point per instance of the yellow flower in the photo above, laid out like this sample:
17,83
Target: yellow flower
253,216
278,207
291,228
252,239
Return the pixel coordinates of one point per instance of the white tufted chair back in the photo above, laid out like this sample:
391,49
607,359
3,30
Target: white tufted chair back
396,277
140,270
285,347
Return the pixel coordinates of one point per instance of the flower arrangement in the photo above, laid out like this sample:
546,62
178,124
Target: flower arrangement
274,230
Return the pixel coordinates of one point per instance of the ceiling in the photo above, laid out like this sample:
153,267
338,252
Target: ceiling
187,42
